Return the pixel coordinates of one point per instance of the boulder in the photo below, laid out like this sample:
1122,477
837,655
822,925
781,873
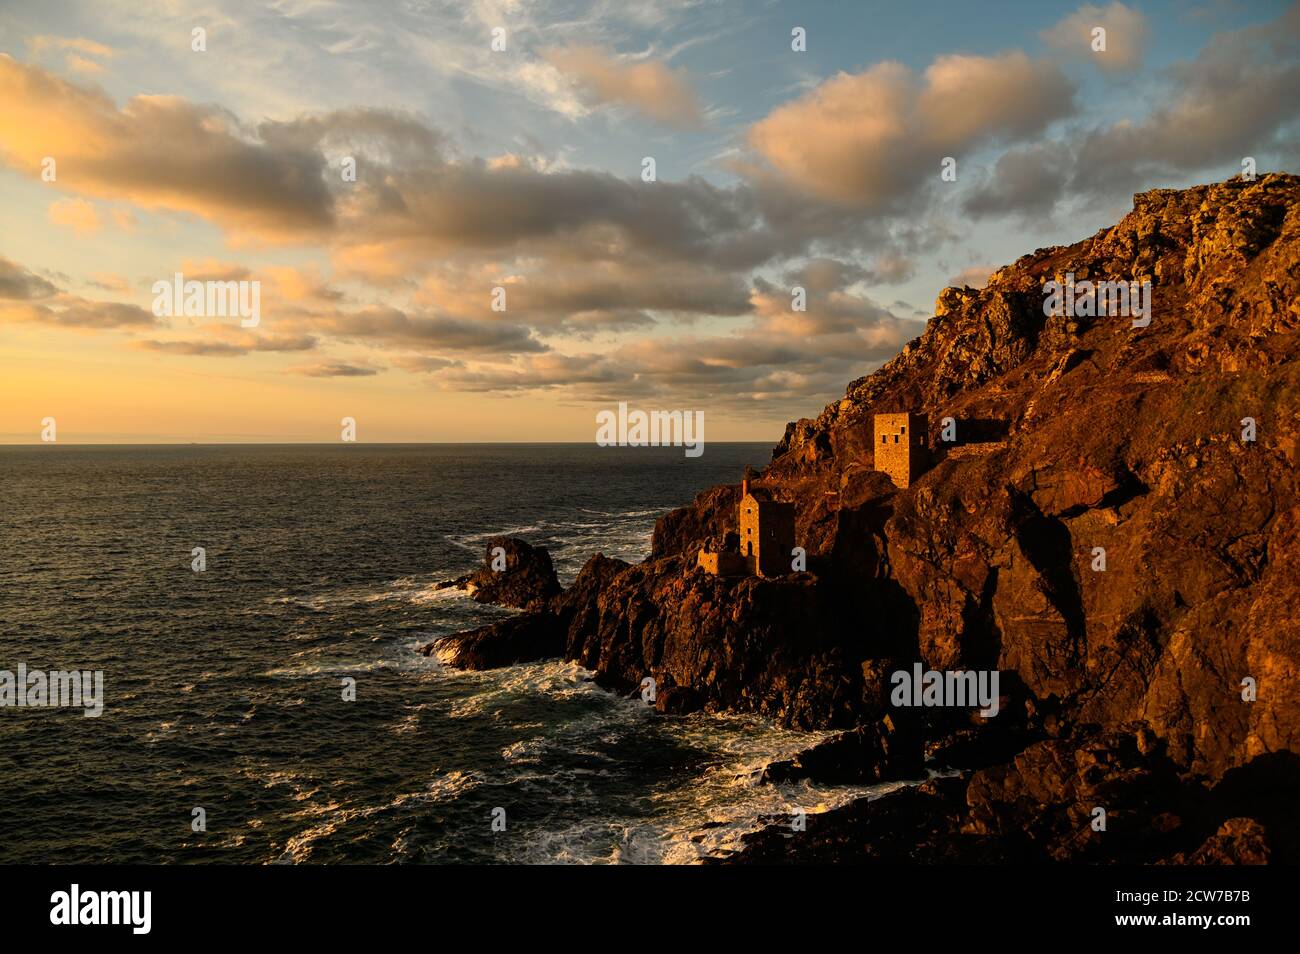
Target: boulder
524,638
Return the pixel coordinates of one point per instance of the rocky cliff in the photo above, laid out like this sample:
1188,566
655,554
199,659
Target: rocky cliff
1165,453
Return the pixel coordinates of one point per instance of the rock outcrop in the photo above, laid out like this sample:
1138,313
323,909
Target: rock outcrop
514,573
516,639
1116,531
1108,797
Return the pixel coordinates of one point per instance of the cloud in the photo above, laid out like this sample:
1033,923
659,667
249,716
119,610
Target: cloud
17,283
281,283
538,372
413,199
1237,97
71,311
733,371
160,152
559,294
27,298
1231,101
648,87
213,270
81,64
77,214
109,281
891,269
1126,36
39,44
301,284
838,323
391,327
976,276
1027,179
236,344
334,369
589,250
832,194
218,349
469,206
77,51
780,357
874,138
423,363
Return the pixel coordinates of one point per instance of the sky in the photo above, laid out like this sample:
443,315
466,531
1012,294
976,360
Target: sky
503,265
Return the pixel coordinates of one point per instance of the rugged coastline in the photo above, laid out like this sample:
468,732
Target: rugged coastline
1161,689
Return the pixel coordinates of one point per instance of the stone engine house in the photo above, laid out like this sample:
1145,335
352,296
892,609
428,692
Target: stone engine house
900,446
762,543
766,532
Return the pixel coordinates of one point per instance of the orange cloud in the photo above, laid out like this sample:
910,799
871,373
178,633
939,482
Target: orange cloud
82,64
976,276
19,284
227,343
159,152
650,87
78,214
334,369
71,311
1126,36
39,44
869,138
585,295
78,52
300,284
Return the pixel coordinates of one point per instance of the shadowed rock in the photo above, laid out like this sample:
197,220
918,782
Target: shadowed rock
523,638
514,573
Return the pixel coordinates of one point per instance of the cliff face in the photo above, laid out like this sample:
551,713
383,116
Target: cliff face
775,647
1083,433
1073,433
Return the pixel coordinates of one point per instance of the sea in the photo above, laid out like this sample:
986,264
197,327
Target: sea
272,708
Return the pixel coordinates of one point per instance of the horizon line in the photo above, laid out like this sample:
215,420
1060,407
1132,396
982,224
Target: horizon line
345,443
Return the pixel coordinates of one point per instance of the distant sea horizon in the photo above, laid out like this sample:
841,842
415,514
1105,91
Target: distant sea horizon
67,443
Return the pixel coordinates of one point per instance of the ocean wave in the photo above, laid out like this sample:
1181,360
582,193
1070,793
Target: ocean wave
447,594
335,816
697,823
560,680
468,539
339,666
679,818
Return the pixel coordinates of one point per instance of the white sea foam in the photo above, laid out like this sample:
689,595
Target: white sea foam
448,594
681,816
337,666
334,816
692,818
